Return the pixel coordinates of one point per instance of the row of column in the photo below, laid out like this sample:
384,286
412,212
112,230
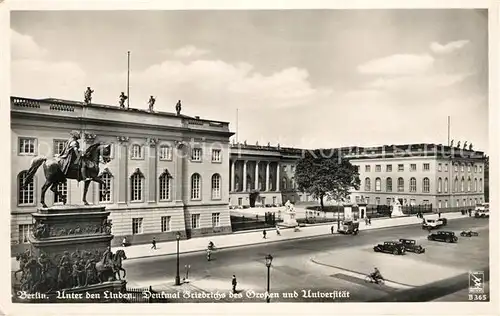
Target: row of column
256,178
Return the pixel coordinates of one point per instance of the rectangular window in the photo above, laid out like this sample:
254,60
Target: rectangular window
367,200
58,147
136,187
388,201
165,152
240,201
367,168
215,219
196,154
136,152
164,188
388,168
378,168
412,202
480,168
274,200
475,168
136,226
105,195
440,167
446,167
24,233
462,168
165,223
427,167
216,155
413,167
195,221
401,167
426,202
27,146
445,203
26,195
468,168
377,201
63,189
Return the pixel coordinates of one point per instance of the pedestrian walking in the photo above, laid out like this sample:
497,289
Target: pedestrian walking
153,242
278,230
234,282
439,214
264,233
369,221
124,242
331,229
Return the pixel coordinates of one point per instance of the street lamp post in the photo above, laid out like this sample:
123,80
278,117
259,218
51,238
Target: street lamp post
269,260
177,276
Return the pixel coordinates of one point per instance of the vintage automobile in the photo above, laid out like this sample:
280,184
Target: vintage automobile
445,236
431,224
482,214
394,247
443,221
468,233
411,246
349,227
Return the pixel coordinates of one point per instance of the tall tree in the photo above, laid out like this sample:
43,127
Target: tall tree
326,176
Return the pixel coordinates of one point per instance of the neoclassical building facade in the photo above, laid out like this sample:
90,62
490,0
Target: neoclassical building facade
167,173
419,174
263,176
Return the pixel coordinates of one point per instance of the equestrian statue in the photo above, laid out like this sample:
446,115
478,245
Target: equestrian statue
71,164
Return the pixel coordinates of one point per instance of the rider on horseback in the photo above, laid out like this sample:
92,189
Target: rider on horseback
71,154
107,257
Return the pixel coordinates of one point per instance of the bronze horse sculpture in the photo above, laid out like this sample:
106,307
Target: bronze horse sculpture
105,272
54,176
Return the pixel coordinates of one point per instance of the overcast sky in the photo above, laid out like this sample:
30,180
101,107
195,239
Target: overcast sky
322,78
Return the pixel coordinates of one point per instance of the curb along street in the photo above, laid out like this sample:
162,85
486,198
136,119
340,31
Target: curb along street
268,242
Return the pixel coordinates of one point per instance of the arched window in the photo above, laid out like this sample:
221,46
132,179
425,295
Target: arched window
26,195
475,185
388,184
378,184
401,185
136,186
216,186
445,185
63,189
455,185
480,185
440,185
165,184
462,185
469,184
426,185
105,195
284,183
413,185
195,186
368,184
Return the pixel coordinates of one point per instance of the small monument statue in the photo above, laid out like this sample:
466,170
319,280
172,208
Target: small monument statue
178,107
151,103
88,95
465,145
397,209
123,97
268,144
257,143
470,146
458,144
289,215
245,143
451,144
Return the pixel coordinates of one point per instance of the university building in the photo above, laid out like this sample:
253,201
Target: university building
419,174
167,173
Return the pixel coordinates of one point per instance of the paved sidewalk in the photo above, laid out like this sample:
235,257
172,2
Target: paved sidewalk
255,237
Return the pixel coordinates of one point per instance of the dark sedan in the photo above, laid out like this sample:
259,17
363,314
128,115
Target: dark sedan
411,246
394,247
444,236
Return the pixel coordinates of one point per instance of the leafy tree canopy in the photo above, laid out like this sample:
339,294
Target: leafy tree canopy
323,175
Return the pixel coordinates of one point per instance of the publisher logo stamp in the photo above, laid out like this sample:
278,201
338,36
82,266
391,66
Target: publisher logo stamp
476,282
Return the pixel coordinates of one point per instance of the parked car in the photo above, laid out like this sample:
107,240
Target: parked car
411,246
443,221
431,224
394,247
468,233
482,214
445,236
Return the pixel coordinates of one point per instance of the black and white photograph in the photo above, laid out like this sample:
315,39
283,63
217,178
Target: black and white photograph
334,155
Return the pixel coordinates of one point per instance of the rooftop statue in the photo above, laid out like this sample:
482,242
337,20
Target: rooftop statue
88,95
178,107
123,97
151,103
71,164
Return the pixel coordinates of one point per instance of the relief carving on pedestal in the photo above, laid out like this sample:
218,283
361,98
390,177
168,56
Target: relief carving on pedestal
43,230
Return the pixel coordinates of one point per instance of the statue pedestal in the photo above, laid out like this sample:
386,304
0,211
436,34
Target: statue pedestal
66,239
397,210
289,218
348,212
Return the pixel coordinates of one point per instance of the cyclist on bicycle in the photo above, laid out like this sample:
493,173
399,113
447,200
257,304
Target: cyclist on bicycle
376,275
